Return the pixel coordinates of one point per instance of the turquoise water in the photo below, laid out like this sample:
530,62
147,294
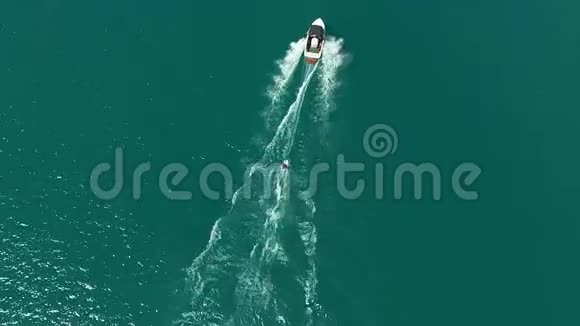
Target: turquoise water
491,83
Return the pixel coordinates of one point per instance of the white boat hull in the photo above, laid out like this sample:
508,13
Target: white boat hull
313,49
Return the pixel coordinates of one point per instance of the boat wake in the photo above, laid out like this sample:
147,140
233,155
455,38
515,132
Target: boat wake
287,66
258,267
327,79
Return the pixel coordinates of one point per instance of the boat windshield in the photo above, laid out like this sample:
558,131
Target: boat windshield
317,31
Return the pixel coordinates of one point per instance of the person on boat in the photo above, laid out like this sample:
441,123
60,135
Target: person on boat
314,44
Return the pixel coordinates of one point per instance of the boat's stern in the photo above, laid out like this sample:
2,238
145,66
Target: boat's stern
310,60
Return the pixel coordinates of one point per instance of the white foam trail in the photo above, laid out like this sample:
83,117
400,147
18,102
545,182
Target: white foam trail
225,271
309,280
278,89
286,67
327,77
283,140
280,147
255,288
224,262
331,62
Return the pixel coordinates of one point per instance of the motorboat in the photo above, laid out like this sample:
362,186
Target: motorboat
314,42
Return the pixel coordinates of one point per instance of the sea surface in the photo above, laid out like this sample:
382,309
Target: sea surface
482,97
